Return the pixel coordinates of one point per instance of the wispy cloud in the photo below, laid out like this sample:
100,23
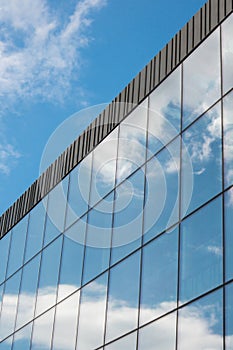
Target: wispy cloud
39,51
8,156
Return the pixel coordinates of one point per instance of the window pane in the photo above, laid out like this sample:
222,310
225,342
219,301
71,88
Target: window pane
201,78
18,237
104,167
72,259
65,327
128,212
229,317
228,139
4,251
162,333
132,142
159,277
49,269
51,231
42,331
98,240
9,305
79,189
92,314
229,234
57,203
128,342
200,324
122,314
201,251
35,230
22,338
164,113
162,191
27,296
227,54
203,142
6,345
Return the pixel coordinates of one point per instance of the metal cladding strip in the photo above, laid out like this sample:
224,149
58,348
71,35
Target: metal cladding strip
182,44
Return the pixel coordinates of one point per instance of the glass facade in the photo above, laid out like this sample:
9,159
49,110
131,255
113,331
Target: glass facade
133,249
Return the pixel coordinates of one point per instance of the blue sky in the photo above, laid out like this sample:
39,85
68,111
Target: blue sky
58,57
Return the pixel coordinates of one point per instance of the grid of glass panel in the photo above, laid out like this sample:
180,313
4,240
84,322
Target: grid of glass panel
119,255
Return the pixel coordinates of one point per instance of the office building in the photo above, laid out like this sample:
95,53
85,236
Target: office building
126,240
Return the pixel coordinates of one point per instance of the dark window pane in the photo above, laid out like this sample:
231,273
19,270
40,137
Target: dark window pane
201,251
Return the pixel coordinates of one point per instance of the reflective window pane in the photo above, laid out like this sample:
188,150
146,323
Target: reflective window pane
22,338
18,237
132,142
28,288
162,333
201,251
203,143
128,213
35,230
6,345
229,317
79,189
164,113
49,269
159,277
200,324
92,314
9,305
104,167
161,209
228,139
42,331
72,259
57,202
201,78
98,241
4,251
51,231
227,54
229,234
128,342
122,311
64,335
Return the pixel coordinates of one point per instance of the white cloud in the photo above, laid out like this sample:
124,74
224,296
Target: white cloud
8,156
197,323
39,53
